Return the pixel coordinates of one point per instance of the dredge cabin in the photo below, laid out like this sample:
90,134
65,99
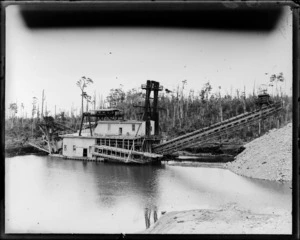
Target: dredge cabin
110,137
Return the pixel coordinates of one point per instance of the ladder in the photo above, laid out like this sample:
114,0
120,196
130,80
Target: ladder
215,131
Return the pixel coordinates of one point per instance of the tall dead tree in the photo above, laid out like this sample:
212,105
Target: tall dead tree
43,99
82,84
22,114
220,105
33,113
244,99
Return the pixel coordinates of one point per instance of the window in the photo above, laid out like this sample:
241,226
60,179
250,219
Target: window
98,141
74,147
120,131
133,127
65,147
108,127
90,149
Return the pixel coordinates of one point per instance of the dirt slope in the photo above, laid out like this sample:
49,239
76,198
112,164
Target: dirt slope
227,220
268,157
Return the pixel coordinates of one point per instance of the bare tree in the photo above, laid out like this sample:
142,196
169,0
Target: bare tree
82,83
276,78
13,108
88,100
22,113
244,99
220,105
34,101
94,100
43,99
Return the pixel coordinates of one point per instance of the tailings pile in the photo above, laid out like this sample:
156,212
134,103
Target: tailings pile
267,157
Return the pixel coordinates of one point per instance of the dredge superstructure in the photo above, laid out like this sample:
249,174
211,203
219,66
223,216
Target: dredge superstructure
108,136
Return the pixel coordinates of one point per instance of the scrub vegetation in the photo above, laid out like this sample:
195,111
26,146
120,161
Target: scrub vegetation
180,112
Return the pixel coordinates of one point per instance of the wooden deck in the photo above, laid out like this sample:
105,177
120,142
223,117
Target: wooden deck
93,159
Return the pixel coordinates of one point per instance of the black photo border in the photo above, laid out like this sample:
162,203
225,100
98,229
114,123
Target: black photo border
157,6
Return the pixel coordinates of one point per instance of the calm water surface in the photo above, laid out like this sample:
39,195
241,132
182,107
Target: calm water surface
50,195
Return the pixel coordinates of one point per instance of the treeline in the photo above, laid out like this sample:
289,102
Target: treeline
20,129
182,113
179,113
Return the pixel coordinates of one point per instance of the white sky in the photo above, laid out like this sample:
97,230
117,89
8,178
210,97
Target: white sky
54,59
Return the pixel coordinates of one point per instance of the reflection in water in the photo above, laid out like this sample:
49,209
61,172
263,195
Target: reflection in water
84,164
279,187
133,180
114,181
147,217
155,214
50,195
125,180
148,212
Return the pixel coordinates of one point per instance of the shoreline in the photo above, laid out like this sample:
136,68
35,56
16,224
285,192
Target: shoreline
228,219
183,163
23,151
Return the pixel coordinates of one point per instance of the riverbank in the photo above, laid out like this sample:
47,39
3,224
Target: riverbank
20,147
23,150
197,164
229,219
203,157
268,157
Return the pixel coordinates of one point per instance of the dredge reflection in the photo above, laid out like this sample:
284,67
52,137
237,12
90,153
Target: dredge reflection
148,211
116,182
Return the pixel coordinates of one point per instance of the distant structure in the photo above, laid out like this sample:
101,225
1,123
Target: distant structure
263,98
151,112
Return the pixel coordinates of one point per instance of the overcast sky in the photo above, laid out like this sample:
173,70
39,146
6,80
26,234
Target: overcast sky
54,59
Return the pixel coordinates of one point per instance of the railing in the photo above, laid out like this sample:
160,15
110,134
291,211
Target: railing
160,88
123,155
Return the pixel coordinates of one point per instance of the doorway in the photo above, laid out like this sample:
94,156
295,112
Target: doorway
85,152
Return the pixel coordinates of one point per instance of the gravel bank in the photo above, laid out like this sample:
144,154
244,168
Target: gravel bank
268,157
227,220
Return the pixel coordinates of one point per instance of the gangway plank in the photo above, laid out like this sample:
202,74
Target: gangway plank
214,131
38,147
124,155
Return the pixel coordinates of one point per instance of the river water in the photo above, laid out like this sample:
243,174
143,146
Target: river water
50,195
